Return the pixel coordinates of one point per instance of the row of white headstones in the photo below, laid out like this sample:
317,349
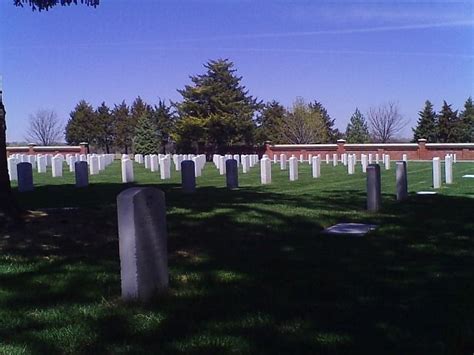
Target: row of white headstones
96,163
160,163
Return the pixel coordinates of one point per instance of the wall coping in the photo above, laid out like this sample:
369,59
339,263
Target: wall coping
49,147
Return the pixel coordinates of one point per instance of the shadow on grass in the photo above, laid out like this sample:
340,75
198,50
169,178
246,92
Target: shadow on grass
250,273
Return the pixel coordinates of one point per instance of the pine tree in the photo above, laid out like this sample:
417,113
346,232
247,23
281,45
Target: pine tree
426,126
216,110
332,133
467,117
164,122
82,126
357,130
447,118
146,140
270,123
105,127
124,131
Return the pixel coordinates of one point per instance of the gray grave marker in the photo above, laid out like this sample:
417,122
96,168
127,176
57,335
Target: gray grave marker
188,176
402,180
82,173
232,174
25,177
374,193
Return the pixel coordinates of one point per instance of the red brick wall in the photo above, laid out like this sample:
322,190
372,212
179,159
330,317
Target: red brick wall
414,151
34,150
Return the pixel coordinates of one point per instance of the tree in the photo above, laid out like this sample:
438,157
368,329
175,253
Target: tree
332,133
447,119
216,109
146,139
105,127
41,5
163,119
467,117
45,128
270,123
426,126
124,130
82,126
357,130
303,125
385,122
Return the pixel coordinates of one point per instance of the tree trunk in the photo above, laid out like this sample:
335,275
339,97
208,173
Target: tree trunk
9,209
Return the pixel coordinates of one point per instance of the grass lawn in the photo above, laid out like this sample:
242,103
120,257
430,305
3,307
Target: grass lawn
250,271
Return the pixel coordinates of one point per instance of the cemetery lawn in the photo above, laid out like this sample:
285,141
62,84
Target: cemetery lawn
250,270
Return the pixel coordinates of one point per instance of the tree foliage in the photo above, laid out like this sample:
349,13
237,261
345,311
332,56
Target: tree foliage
447,121
270,123
426,126
332,133
467,117
82,124
45,128
304,125
105,129
146,139
41,5
357,130
216,109
163,118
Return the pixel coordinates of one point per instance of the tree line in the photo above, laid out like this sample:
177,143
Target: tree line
217,111
447,125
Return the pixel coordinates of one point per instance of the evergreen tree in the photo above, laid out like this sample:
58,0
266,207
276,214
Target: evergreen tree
332,133
357,130
164,122
124,131
467,117
447,119
82,126
216,110
426,126
146,140
270,123
105,127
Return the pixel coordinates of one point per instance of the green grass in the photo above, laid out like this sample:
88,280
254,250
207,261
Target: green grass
250,270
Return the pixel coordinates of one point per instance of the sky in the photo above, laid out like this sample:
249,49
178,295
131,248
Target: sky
345,54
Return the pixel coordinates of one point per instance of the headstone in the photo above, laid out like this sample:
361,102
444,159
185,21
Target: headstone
232,174
370,158
127,171
350,164
222,161
364,163
405,157
142,243
316,166
188,176
165,168
275,159
41,164
94,165
12,169
293,169
436,173
301,158
387,162
282,161
57,167
154,162
266,171
377,160
25,177
334,160
81,173
448,169
402,181
147,161
310,159
327,158
72,164
374,188
245,164
237,159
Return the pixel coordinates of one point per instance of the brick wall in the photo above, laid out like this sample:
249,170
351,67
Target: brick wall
33,149
414,151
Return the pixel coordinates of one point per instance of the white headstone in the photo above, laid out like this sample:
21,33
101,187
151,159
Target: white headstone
94,165
282,161
436,173
387,162
316,166
448,169
293,169
41,163
57,167
12,170
127,171
265,171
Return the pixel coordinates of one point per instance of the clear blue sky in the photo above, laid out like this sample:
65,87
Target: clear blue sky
344,54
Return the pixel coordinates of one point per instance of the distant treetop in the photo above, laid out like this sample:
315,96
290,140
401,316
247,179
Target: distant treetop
41,5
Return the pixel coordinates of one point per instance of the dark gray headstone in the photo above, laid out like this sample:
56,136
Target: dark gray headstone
374,188
188,176
232,174
25,177
402,181
82,173
142,242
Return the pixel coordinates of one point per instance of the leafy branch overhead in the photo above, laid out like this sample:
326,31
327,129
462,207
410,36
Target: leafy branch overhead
41,5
